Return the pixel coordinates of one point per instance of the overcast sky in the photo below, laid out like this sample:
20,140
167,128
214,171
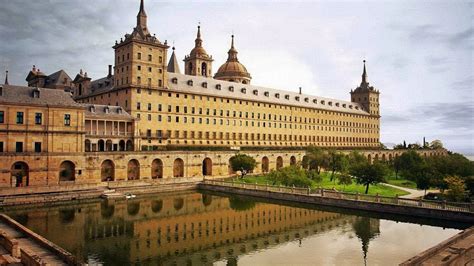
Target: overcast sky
419,53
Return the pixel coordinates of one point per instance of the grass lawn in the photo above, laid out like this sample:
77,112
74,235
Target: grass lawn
328,184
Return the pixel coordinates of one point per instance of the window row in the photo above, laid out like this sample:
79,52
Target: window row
20,118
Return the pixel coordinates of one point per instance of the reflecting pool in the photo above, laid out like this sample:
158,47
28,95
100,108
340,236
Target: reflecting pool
195,228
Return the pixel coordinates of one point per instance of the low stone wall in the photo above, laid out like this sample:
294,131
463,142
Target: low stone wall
457,250
467,217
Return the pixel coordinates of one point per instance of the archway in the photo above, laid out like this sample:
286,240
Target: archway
265,164
231,171
107,171
279,163
129,145
157,169
178,168
20,174
369,158
305,162
207,167
156,206
204,69
133,208
178,203
133,170
122,145
67,171
101,145
383,157
376,157
292,160
87,145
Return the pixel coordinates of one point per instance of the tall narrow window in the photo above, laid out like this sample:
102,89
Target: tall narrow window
19,118
67,120
139,56
38,118
2,117
19,147
37,146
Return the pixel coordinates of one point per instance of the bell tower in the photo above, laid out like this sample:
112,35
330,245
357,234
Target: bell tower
198,62
367,96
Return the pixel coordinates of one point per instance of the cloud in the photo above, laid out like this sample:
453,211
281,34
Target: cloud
437,64
431,33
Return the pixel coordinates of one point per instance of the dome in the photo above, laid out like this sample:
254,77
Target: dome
233,70
198,52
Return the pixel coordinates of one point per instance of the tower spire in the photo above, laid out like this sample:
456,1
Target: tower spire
198,38
142,17
232,52
364,75
6,77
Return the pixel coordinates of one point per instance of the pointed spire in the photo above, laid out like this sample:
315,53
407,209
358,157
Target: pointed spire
173,66
141,17
6,78
232,52
198,38
364,76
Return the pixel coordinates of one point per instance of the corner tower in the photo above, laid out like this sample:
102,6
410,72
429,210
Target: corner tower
140,58
198,62
233,70
367,96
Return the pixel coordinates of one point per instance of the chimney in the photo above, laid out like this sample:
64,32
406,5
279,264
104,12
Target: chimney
300,90
110,71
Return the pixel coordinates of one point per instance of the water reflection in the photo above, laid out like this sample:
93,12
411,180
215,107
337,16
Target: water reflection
194,229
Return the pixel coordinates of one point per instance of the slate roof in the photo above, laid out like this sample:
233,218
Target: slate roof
24,96
227,89
58,78
107,112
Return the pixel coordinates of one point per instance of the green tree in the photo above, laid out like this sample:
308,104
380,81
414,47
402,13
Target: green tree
423,182
344,179
290,176
412,165
313,175
316,159
242,163
456,188
337,162
436,144
369,174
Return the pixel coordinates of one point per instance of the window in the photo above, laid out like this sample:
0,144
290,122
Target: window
38,118
67,120
1,146
2,117
150,57
139,56
19,118
139,68
149,107
37,146
138,106
19,147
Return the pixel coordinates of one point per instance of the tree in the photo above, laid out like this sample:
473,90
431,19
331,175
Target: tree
456,189
411,165
316,159
242,163
337,162
344,179
414,146
369,174
313,175
397,165
436,144
404,144
423,182
290,176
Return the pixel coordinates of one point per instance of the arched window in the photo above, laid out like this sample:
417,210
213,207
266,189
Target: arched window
67,171
265,164
157,169
279,163
204,69
190,67
178,168
133,170
107,171
207,167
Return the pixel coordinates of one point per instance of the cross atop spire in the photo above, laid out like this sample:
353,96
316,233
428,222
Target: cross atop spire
6,77
364,76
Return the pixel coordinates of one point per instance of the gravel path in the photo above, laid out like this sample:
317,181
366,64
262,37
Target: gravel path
414,193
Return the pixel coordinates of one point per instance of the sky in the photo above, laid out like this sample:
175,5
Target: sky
419,53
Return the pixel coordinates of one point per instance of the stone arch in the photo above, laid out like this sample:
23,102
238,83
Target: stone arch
279,162
122,145
133,208
20,174
206,199
129,145
107,171
178,168
304,162
390,157
87,145
207,167
101,145
133,170
108,145
376,157
157,169
265,164
67,171
156,206
292,160
383,157
369,158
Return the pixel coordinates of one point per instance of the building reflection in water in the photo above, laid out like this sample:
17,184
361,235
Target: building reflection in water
181,228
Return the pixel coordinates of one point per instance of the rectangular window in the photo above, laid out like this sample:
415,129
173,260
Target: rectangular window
38,118
2,117
37,146
139,56
149,107
159,107
1,146
150,57
67,120
138,106
19,147
19,118
159,118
